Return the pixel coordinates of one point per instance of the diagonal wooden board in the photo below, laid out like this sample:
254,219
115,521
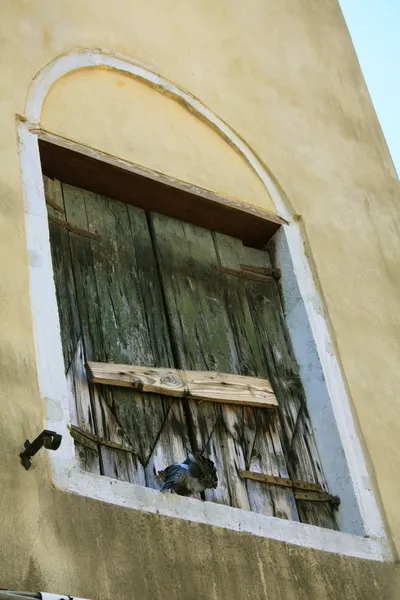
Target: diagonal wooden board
198,385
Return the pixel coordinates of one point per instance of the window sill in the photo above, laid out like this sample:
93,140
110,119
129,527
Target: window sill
120,493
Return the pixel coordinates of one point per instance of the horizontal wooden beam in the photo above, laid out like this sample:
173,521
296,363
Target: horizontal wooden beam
73,229
243,274
281,481
317,497
199,385
56,207
268,271
303,490
90,441
101,173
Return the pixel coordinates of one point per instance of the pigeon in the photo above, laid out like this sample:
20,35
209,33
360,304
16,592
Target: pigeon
192,476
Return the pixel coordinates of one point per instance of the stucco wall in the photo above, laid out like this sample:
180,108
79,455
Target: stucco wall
138,123
285,77
82,547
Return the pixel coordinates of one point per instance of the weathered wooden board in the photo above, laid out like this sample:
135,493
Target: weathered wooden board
117,463
203,340
275,344
172,440
299,455
281,481
71,334
241,274
198,385
129,326
268,271
126,313
305,465
87,300
82,413
192,308
63,275
262,442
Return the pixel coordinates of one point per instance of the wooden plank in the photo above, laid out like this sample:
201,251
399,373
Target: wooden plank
172,439
63,276
71,334
83,274
305,465
133,327
334,501
301,455
53,205
122,334
281,481
303,490
150,287
82,438
118,179
81,410
94,439
69,227
261,431
241,274
268,271
275,345
203,340
198,385
90,318
118,457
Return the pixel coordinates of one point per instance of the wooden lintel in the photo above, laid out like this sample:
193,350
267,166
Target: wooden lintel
268,271
115,178
73,229
199,385
243,274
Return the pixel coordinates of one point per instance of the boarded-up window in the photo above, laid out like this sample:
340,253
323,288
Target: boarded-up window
138,288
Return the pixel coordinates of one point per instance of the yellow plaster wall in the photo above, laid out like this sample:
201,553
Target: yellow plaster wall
284,75
134,121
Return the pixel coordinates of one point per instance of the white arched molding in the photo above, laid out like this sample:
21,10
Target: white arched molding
95,58
53,387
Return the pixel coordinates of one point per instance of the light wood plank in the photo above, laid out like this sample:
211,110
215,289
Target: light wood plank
197,385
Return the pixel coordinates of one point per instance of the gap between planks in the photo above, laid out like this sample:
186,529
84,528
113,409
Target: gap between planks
198,385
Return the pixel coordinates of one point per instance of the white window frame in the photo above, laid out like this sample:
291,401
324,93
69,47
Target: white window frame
66,475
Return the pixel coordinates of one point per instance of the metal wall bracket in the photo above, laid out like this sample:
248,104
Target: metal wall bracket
49,439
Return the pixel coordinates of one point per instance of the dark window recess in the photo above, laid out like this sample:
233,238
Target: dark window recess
138,288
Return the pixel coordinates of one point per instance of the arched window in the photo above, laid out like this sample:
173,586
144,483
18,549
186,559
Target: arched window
174,284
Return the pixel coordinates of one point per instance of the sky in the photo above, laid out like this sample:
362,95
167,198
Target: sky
374,26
